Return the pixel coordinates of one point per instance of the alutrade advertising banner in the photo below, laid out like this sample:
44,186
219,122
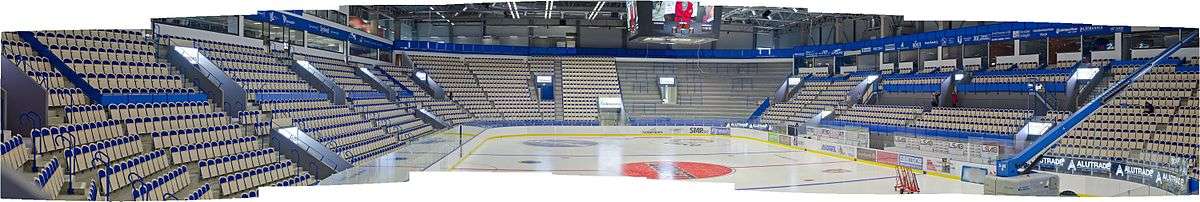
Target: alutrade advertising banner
1155,177
755,126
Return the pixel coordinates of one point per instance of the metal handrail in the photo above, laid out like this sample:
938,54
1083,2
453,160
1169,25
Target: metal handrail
69,140
107,178
139,181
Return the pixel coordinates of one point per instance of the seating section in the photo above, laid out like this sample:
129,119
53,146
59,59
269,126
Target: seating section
157,189
189,130
393,117
709,90
117,174
878,114
253,67
502,87
335,126
1022,78
1064,63
13,150
201,193
913,83
508,86
342,74
84,114
115,61
299,180
90,155
976,120
817,95
584,81
263,175
1015,64
50,178
1126,130
227,164
257,120
61,91
156,151
210,149
980,120
456,79
450,110
249,194
391,75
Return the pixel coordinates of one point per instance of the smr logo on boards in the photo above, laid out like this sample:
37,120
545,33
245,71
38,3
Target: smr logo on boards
698,130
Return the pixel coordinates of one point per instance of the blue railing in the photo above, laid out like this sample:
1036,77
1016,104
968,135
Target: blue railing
1024,72
955,134
665,121
95,94
970,35
762,108
269,97
912,88
1008,87
1188,68
405,92
1010,167
59,65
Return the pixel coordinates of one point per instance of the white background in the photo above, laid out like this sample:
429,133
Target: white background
16,15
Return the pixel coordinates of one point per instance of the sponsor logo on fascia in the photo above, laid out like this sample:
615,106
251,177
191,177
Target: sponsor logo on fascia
1089,165
1055,162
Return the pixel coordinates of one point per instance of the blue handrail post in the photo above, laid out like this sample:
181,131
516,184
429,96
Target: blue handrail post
68,139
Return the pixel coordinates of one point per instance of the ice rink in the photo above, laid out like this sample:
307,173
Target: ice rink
750,164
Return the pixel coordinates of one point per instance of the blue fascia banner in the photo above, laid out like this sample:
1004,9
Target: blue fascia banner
955,37
293,22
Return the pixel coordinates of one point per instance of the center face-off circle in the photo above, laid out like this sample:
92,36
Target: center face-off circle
674,170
